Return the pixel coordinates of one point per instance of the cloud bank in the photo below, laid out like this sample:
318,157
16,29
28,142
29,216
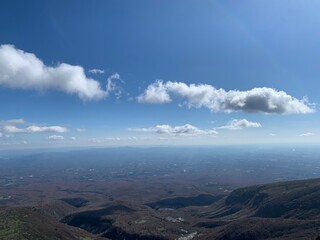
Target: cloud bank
22,70
184,130
34,129
10,127
265,100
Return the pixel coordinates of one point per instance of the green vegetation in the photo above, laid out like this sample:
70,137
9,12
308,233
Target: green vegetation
4,199
20,223
11,225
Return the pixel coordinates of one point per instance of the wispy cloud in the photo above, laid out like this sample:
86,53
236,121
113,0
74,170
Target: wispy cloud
22,70
308,134
96,71
19,121
94,140
184,130
236,124
113,86
265,100
80,129
121,138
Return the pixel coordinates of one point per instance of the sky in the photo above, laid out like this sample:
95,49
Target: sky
145,72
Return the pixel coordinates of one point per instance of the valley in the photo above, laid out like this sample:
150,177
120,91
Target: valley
161,193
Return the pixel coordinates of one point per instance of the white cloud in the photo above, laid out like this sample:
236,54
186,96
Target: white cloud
155,93
8,128
308,134
73,138
96,71
265,100
272,134
55,137
1,134
236,124
184,130
22,70
34,129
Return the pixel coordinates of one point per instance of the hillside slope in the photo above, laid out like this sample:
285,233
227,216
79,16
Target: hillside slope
27,223
286,210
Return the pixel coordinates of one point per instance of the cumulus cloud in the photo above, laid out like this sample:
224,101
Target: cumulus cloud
73,138
184,130
155,93
34,129
308,134
265,100
55,137
96,71
236,124
22,70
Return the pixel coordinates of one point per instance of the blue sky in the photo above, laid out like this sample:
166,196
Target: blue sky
108,73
